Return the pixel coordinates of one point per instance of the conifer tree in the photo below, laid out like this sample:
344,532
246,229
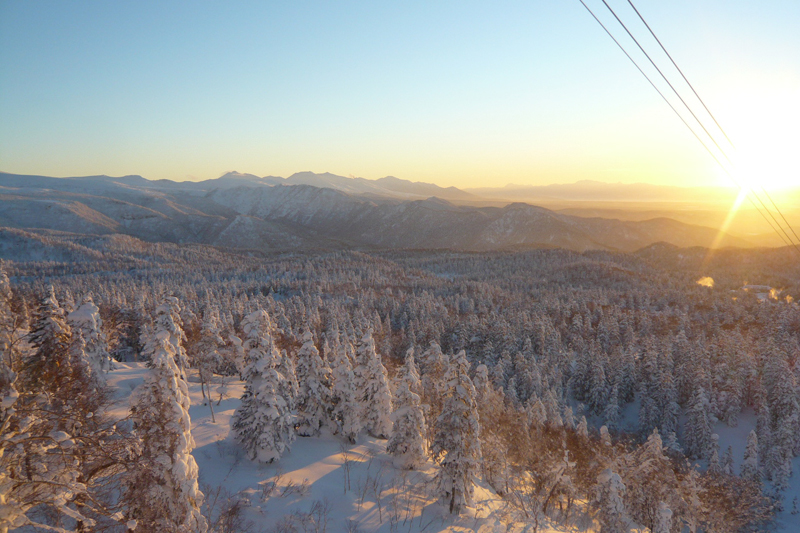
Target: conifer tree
750,463
168,319
407,444
161,493
346,411
207,353
433,364
290,387
457,443
663,519
697,434
86,319
50,337
263,423
314,398
373,387
610,493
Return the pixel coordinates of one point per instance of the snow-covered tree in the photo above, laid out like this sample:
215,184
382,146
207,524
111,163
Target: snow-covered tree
161,493
263,423
290,386
314,398
168,319
346,408
583,429
375,396
750,469
650,478
610,493
50,337
11,508
207,353
433,364
697,434
407,444
457,444
86,319
663,519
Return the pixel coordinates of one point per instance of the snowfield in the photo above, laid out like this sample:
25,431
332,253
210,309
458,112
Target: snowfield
308,488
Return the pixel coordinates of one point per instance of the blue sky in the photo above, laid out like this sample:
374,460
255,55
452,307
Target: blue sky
456,93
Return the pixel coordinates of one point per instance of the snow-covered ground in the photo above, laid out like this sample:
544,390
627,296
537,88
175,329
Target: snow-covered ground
736,438
309,486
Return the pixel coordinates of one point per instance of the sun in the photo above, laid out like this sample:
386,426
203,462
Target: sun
767,168
762,123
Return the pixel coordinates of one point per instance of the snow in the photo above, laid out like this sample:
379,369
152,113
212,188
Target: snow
311,478
736,437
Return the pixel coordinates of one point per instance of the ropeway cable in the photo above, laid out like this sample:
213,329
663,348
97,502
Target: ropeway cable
778,231
710,114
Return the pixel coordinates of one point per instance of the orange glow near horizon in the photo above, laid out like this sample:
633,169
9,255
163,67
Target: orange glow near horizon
740,198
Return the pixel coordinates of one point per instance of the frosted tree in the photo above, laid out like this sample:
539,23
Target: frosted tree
373,388
168,320
750,469
610,493
433,364
611,412
407,444
457,442
553,410
663,519
583,429
49,337
536,415
207,354
697,434
650,478
346,411
59,452
161,493
86,319
263,423
290,386
605,436
727,462
12,510
598,386
314,398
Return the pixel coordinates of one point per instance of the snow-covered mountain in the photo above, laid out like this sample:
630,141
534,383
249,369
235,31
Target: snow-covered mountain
246,211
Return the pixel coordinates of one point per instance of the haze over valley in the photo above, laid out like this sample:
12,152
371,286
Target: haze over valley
325,211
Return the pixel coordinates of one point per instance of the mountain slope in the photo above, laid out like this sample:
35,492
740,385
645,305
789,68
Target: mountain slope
245,211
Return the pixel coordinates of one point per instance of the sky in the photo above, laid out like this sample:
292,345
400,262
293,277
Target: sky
463,93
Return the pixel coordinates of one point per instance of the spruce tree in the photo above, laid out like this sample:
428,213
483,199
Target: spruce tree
50,336
697,433
168,320
314,398
750,463
373,387
86,319
457,443
346,411
610,493
407,444
161,493
263,423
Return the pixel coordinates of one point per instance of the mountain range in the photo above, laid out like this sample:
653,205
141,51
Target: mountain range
317,211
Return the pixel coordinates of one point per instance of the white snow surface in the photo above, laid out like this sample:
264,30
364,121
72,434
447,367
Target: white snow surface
380,498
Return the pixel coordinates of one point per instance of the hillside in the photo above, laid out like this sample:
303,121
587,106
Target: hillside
309,484
331,212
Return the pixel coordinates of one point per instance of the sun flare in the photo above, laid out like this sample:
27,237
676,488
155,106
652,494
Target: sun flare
768,168
766,139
